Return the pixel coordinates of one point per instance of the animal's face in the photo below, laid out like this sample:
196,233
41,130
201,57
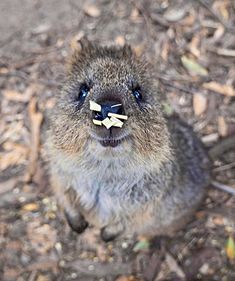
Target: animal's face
109,77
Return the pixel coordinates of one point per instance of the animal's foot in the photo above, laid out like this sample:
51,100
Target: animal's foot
76,222
110,232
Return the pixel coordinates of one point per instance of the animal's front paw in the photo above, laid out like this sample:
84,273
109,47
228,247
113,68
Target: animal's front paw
110,232
76,222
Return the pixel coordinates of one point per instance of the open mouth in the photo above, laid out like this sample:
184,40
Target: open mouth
110,142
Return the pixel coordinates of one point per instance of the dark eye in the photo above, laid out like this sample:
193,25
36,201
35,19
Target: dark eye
83,92
137,94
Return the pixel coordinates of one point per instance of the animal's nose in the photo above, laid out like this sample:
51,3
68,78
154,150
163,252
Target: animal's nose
108,107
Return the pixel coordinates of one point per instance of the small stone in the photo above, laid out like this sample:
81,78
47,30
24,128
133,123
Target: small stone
95,259
92,10
74,275
204,269
124,245
62,263
46,200
58,247
91,267
22,199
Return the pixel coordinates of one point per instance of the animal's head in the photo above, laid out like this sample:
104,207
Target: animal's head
110,76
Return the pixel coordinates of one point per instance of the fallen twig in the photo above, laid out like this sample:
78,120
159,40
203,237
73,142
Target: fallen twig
8,185
36,118
10,199
224,167
205,5
33,275
224,187
223,52
153,267
226,212
174,266
42,265
169,84
89,268
222,146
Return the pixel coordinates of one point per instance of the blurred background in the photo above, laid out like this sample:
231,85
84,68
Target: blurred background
192,47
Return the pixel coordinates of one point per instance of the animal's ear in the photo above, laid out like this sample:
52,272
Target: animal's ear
127,50
79,44
81,49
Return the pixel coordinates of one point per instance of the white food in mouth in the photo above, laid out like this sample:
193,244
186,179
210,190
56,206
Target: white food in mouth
97,122
95,106
119,116
116,122
107,123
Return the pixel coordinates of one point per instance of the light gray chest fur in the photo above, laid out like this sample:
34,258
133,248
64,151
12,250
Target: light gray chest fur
110,188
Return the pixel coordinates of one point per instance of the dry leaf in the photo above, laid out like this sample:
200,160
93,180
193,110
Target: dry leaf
30,207
175,14
4,70
138,49
194,46
12,131
221,8
10,274
17,96
219,88
42,278
165,50
135,15
42,237
210,138
199,103
167,108
16,154
193,67
230,248
50,103
126,278
218,220
174,267
219,32
101,252
7,185
14,96
122,278
189,20
222,127
75,41
36,118
143,244
92,10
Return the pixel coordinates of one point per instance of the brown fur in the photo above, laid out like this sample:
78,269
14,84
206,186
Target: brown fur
154,179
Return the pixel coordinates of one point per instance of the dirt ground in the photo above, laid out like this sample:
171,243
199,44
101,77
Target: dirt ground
192,46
